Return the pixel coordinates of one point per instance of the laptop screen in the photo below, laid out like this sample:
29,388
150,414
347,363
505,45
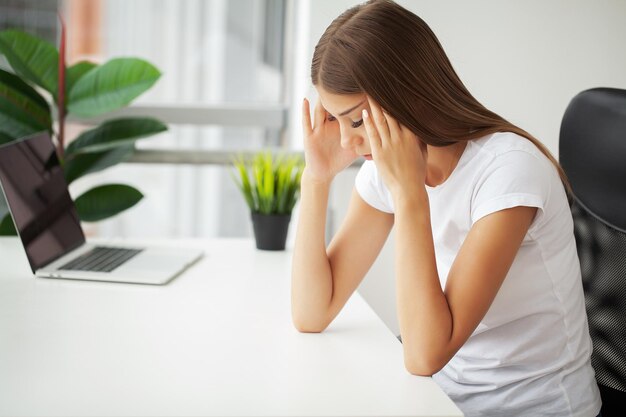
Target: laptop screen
37,195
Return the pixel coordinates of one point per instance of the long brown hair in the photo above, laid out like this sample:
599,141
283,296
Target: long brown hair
384,50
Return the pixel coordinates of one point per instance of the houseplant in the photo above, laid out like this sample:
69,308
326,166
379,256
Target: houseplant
41,82
271,187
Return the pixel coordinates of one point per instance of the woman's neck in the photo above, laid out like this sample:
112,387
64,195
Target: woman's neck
441,161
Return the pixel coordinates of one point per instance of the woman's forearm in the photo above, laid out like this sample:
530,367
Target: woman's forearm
423,312
311,281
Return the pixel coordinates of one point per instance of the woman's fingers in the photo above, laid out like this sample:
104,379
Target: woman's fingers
395,130
320,114
372,132
378,119
307,128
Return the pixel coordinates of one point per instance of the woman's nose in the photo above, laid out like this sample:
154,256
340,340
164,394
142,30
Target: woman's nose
350,140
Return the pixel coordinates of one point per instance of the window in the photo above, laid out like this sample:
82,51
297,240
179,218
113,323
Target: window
221,89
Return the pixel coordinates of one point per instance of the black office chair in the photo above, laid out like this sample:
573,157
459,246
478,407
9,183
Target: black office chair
592,151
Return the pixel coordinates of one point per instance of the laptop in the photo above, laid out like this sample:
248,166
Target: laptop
48,226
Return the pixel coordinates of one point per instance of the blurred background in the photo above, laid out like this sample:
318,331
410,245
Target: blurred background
235,73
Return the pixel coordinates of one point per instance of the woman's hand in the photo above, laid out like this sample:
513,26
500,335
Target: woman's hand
400,155
323,154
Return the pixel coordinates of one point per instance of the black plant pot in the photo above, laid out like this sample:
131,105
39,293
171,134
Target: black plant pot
270,230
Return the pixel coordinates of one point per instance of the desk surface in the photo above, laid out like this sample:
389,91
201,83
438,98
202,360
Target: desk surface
217,340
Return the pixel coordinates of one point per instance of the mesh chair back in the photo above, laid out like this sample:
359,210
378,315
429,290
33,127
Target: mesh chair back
592,151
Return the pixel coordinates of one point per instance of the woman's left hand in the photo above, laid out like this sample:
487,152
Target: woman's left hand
399,154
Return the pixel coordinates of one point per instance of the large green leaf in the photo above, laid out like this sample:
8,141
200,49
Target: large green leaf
32,58
18,84
23,110
111,86
7,227
4,138
75,73
114,133
106,201
85,163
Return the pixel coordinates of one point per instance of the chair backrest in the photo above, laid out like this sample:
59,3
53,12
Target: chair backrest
592,151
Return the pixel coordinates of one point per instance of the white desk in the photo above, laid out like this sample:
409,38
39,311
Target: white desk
217,340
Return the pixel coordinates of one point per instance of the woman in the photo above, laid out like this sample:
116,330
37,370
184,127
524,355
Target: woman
489,292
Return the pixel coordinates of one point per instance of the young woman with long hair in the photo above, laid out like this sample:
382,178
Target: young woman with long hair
489,293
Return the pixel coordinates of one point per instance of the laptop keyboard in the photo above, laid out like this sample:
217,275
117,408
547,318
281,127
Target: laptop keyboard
101,259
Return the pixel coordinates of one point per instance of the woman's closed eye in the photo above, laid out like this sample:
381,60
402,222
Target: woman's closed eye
355,125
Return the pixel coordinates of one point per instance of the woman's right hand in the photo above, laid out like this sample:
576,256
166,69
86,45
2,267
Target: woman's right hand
323,154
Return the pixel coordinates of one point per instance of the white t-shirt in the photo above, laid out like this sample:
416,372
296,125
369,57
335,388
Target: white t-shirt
530,354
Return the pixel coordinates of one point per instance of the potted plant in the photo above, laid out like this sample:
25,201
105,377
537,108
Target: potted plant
41,81
271,187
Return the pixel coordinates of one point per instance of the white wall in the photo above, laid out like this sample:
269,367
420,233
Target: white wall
524,60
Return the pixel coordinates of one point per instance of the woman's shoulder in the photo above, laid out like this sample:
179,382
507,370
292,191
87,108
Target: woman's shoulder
500,143
514,173
508,149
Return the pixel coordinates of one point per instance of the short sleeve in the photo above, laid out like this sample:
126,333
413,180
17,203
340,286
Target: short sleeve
515,178
371,188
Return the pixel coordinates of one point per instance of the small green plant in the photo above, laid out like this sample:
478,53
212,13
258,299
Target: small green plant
270,184
41,81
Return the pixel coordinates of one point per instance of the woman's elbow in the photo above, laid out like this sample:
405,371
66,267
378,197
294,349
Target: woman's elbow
307,325
423,367
304,328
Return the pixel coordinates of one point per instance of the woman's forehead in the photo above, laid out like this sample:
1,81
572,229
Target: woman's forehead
338,103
